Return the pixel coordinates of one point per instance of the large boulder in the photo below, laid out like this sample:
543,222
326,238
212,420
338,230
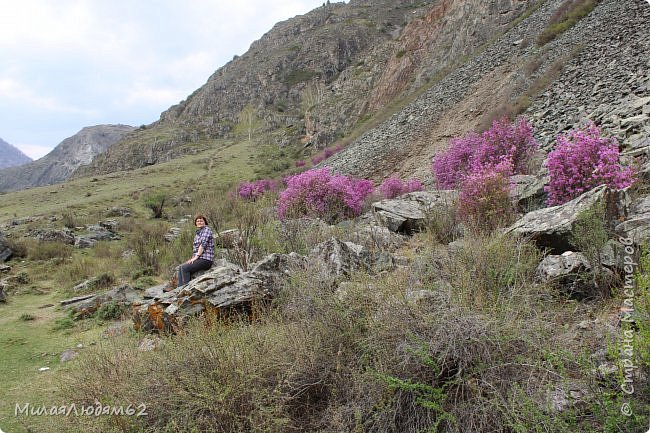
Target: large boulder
221,290
408,213
5,251
343,258
553,227
123,295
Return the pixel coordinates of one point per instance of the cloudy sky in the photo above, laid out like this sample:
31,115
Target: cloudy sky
66,64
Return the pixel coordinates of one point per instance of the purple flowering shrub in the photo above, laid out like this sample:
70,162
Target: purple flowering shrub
451,166
300,163
318,193
582,160
254,190
394,186
326,153
484,202
503,141
507,141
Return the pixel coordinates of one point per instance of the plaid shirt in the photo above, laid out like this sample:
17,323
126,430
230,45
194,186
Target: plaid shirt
205,237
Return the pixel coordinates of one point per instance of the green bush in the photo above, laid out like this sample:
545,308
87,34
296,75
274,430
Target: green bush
155,201
63,323
110,311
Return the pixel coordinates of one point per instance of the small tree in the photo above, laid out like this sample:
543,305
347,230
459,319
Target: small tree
156,201
249,122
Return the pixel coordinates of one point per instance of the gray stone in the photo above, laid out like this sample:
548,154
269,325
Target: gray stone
553,227
637,225
155,291
528,192
222,288
339,258
77,299
5,268
84,242
557,267
567,396
68,355
408,213
571,273
63,236
110,225
3,295
123,295
5,251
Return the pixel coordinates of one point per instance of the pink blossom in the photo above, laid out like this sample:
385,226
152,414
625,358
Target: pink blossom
394,186
318,193
582,160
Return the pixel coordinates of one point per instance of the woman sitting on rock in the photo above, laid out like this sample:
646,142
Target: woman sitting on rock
202,252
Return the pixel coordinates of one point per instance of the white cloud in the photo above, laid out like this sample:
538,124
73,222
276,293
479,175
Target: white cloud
22,94
71,63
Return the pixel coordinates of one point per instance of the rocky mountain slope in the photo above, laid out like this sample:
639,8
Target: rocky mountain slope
598,69
58,165
313,78
10,156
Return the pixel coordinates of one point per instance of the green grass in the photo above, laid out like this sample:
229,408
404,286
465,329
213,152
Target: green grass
94,195
26,346
567,15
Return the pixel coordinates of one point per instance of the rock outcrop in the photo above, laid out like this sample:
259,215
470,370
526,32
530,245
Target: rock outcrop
408,213
552,227
310,79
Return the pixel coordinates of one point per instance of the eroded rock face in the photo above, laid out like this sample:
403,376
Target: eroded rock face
553,227
636,226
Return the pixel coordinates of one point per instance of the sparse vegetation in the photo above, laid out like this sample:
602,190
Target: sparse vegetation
565,17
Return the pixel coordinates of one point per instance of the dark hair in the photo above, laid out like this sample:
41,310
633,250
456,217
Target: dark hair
199,216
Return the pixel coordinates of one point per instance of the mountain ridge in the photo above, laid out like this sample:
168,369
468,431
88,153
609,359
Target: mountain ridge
311,78
57,166
11,156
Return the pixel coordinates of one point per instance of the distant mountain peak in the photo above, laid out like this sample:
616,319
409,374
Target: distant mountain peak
58,165
11,156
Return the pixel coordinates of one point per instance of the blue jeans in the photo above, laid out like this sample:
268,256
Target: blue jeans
185,271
